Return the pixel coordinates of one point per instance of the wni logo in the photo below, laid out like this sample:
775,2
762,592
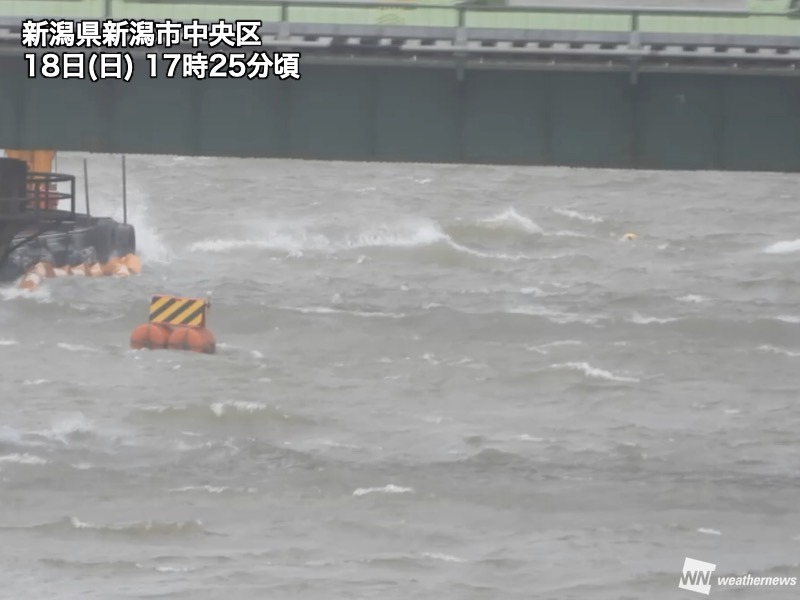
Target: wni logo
696,576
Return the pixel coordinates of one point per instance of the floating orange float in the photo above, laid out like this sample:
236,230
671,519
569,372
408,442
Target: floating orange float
152,336
195,339
115,267
182,320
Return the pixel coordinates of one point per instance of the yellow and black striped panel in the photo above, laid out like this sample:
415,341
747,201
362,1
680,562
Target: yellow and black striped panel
172,310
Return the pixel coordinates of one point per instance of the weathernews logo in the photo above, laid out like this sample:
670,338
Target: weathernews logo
696,577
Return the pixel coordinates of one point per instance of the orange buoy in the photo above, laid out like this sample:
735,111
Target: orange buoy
152,336
31,281
43,269
120,270
133,263
196,339
108,268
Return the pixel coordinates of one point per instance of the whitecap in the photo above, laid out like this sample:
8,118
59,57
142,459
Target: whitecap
590,371
9,342
221,408
510,217
387,489
213,489
553,315
327,310
443,557
788,319
67,426
23,459
693,298
777,350
41,294
644,320
785,247
574,214
708,531
75,347
530,438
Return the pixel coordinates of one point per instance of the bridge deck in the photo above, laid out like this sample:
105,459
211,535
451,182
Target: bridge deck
433,13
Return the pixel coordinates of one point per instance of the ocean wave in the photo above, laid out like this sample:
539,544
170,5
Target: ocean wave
692,298
555,316
41,294
135,529
785,247
511,219
594,372
295,239
545,348
776,350
788,319
75,347
574,214
220,414
386,489
638,319
214,489
23,459
327,310
443,557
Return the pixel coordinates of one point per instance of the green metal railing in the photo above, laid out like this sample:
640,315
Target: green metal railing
424,13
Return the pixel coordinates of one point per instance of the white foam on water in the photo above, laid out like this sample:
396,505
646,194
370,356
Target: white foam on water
512,219
708,531
553,315
240,406
150,246
531,438
40,295
213,489
295,239
639,319
67,426
9,343
776,350
785,247
567,233
23,459
169,569
387,489
593,372
788,319
443,557
327,310
534,291
35,381
75,347
693,298
574,214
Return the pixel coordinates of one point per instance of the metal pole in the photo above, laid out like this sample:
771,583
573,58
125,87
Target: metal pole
86,186
124,194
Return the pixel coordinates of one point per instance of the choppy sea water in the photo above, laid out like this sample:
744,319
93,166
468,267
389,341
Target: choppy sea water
432,382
